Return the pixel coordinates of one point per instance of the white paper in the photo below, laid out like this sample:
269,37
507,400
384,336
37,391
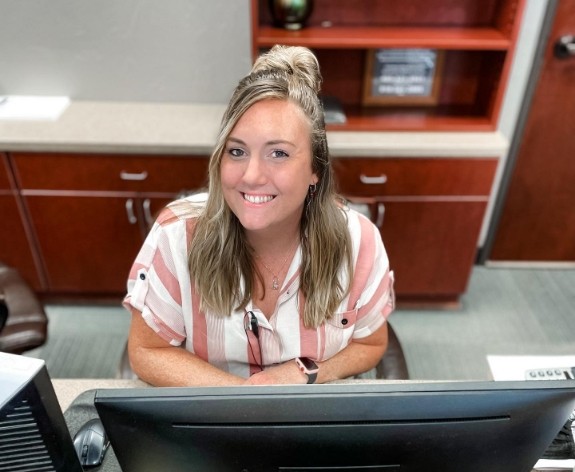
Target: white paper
548,464
514,367
25,107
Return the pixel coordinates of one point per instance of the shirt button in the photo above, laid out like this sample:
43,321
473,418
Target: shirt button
344,321
142,276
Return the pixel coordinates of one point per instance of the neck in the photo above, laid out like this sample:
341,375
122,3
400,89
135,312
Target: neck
277,244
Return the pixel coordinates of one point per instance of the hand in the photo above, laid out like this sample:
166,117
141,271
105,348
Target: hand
286,373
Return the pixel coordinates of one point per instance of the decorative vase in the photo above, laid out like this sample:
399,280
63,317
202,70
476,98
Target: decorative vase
290,14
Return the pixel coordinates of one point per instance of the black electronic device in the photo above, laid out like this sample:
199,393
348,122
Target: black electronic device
33,432
351,427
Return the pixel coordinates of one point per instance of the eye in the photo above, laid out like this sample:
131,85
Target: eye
236,153
279,154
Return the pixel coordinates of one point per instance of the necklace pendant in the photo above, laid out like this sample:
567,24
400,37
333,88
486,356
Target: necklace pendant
275,283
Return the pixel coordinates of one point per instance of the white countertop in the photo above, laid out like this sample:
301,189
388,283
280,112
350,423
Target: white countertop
153,128
68,389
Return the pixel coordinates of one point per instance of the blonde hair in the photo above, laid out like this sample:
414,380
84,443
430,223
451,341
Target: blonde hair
220,256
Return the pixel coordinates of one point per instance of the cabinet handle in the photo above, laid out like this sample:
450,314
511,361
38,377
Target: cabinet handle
148,212
380,215
366,179
130,211
565,47
133,176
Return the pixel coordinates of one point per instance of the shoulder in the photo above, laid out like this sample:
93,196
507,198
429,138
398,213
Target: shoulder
365,236
182,210
358,220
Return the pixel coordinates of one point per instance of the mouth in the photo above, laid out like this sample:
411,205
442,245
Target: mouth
257,199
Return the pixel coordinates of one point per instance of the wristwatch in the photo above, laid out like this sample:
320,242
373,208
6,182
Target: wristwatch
308,367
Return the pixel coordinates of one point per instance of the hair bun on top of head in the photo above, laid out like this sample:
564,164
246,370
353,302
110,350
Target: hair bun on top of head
294,60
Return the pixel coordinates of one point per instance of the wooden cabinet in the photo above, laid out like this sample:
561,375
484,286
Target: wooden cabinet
477,39
15,248
429,211
90,213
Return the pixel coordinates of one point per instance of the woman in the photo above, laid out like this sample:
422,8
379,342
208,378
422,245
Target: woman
272,279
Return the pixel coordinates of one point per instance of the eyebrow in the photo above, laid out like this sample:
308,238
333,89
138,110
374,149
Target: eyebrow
268,143
235,140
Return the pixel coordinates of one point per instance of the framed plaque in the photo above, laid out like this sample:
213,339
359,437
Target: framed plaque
402,76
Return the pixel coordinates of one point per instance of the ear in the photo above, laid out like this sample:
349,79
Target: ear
314,179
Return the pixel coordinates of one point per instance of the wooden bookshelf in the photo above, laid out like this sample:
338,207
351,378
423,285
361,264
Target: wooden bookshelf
478,40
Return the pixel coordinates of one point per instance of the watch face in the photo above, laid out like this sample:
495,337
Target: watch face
308,363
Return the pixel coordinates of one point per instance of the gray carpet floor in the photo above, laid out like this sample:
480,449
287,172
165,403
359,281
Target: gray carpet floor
84,341
504,312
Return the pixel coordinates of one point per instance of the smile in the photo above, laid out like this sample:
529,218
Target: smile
257,199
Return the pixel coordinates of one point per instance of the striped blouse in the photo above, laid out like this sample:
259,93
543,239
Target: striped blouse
159,286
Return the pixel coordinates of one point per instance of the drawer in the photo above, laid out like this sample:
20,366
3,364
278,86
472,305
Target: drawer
108,172
414,176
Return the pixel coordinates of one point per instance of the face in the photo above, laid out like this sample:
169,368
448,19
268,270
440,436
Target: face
266,168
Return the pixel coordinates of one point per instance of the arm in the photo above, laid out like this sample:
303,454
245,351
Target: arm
359,356
158,363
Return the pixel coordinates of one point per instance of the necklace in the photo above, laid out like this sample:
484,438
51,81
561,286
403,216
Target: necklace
275,279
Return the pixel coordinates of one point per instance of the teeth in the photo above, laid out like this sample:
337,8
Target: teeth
258,198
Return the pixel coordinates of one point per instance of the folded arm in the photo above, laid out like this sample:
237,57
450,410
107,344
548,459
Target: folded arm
359,356
158,363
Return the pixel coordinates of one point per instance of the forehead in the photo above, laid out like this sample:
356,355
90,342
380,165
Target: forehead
273,115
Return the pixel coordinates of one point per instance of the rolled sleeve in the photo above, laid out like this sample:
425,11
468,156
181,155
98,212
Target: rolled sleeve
154,289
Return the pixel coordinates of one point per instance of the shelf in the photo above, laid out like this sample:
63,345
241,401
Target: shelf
412,119
367,37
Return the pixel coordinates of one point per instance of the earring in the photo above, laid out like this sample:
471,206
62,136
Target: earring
312,191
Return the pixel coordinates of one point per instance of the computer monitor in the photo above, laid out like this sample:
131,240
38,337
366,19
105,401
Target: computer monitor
33,432
351,427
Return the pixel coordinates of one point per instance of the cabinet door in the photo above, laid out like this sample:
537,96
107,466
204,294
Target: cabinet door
15,249
431,247
88,243
536,223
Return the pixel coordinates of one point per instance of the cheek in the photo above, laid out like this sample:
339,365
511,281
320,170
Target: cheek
298,189
227,175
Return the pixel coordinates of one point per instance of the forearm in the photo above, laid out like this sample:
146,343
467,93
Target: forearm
357,357
158,363
176,367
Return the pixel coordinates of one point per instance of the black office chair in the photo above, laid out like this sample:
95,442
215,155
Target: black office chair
392,365
23,321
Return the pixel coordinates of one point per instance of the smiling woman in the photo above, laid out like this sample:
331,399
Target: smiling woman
272,279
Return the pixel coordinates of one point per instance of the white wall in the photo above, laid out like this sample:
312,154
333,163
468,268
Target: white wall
520,71
124,50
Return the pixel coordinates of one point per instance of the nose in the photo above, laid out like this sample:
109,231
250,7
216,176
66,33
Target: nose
255,171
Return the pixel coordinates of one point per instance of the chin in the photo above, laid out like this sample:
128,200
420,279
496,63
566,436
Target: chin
250,225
